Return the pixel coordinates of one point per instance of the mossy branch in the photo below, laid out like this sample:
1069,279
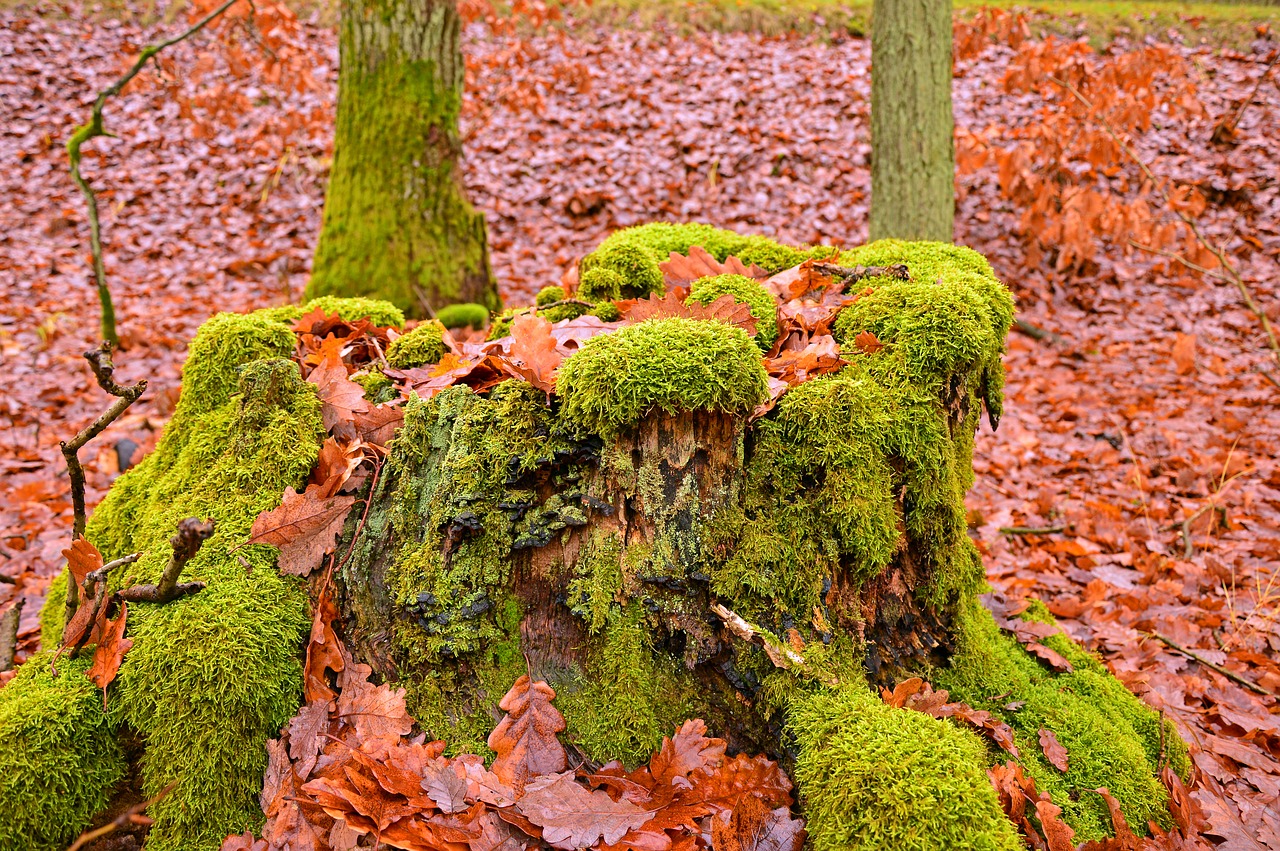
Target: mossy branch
95,128
192,534
897,271
103,370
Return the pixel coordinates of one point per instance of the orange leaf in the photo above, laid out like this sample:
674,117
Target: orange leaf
525,739
1053,749
303,528
107,656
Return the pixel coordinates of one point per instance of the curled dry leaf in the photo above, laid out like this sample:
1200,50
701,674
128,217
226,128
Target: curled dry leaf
868,343
534,354
340,397
109,653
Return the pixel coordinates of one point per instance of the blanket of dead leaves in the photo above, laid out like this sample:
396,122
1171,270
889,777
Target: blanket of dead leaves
1140,441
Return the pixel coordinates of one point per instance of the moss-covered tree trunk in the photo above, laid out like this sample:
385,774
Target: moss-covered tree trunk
912,147
397,224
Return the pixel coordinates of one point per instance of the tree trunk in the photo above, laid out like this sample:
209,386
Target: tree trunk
396,223
912,146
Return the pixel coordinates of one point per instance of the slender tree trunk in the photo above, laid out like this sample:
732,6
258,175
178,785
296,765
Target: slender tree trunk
396,222
912,148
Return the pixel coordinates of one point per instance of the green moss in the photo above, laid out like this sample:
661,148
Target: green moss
378,388
51,613
379,312
634,254
744,291
628,697
463,316
600,284
212,676
597,580
547,295
606,311
423,345
61,757
1112,739
663,364
874,777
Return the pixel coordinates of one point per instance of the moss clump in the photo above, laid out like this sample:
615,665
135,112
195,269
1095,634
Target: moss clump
212,676
744,291
634,254
378,388
61,757
376,310
875,777
548,295
422,345
1112,738
463,316
667,364
600,284
606,311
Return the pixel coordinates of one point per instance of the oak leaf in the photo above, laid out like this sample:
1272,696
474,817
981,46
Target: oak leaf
324,653
534,354
303,527
107,656
679,269
689,750
1057,833
82,558
821,355
1053,749
571,816
868,343
340,397
752,826
671,305
525,739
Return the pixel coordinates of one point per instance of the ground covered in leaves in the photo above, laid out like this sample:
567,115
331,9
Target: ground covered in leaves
1133,482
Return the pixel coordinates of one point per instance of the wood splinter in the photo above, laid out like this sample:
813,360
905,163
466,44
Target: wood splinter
192,534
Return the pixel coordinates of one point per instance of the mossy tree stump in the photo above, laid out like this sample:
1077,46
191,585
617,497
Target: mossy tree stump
593,537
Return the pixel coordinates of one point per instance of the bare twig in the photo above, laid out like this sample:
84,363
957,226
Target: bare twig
854,274
1190,654
95,128
1226,129
1035,332
135,815
9,622
1229,270
191,535
779,653
103,370
1032,530
579,302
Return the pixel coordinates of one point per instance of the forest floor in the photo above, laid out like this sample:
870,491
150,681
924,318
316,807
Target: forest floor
1141,440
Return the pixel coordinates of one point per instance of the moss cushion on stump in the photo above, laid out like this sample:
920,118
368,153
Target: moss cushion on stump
587,537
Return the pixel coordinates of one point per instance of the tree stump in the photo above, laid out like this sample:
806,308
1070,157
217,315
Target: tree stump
660,539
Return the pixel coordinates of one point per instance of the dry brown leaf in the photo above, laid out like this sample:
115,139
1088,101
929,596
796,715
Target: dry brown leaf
1053,749
303,527
534,355
1057,833
1184,354
340,397
573,817
820,356
109,653
525,739
868,343
679,270
82,558
724,309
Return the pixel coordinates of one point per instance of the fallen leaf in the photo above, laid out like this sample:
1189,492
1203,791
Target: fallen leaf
1053,749
525,739
109,653
573,817
1184,354
867,343
679,269
303,527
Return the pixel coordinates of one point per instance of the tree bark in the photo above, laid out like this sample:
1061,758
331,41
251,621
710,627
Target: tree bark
912,145
397,224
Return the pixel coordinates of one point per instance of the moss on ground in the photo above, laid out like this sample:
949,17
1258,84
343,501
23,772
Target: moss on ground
874,777
660,364
421,346
463,316
61,757
744,291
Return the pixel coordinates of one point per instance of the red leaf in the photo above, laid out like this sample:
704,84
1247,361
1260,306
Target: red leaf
868,343
1057,833
107,656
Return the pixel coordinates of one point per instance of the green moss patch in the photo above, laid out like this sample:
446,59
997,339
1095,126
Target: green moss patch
61,757
661,364
423,345
744,291
463,316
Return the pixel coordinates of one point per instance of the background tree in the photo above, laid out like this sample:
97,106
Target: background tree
397,224
912,148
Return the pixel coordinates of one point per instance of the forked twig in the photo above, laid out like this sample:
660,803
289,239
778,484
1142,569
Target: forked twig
95,128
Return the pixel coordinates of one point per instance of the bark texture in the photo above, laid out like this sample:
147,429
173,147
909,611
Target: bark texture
912,145
397,224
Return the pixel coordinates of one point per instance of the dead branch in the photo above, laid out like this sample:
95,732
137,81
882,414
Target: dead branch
1229,270
779,654
103,370
95,128
135,815
1035,332
1234,677
1032,530
191,535
1225,130
9,622
852,275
